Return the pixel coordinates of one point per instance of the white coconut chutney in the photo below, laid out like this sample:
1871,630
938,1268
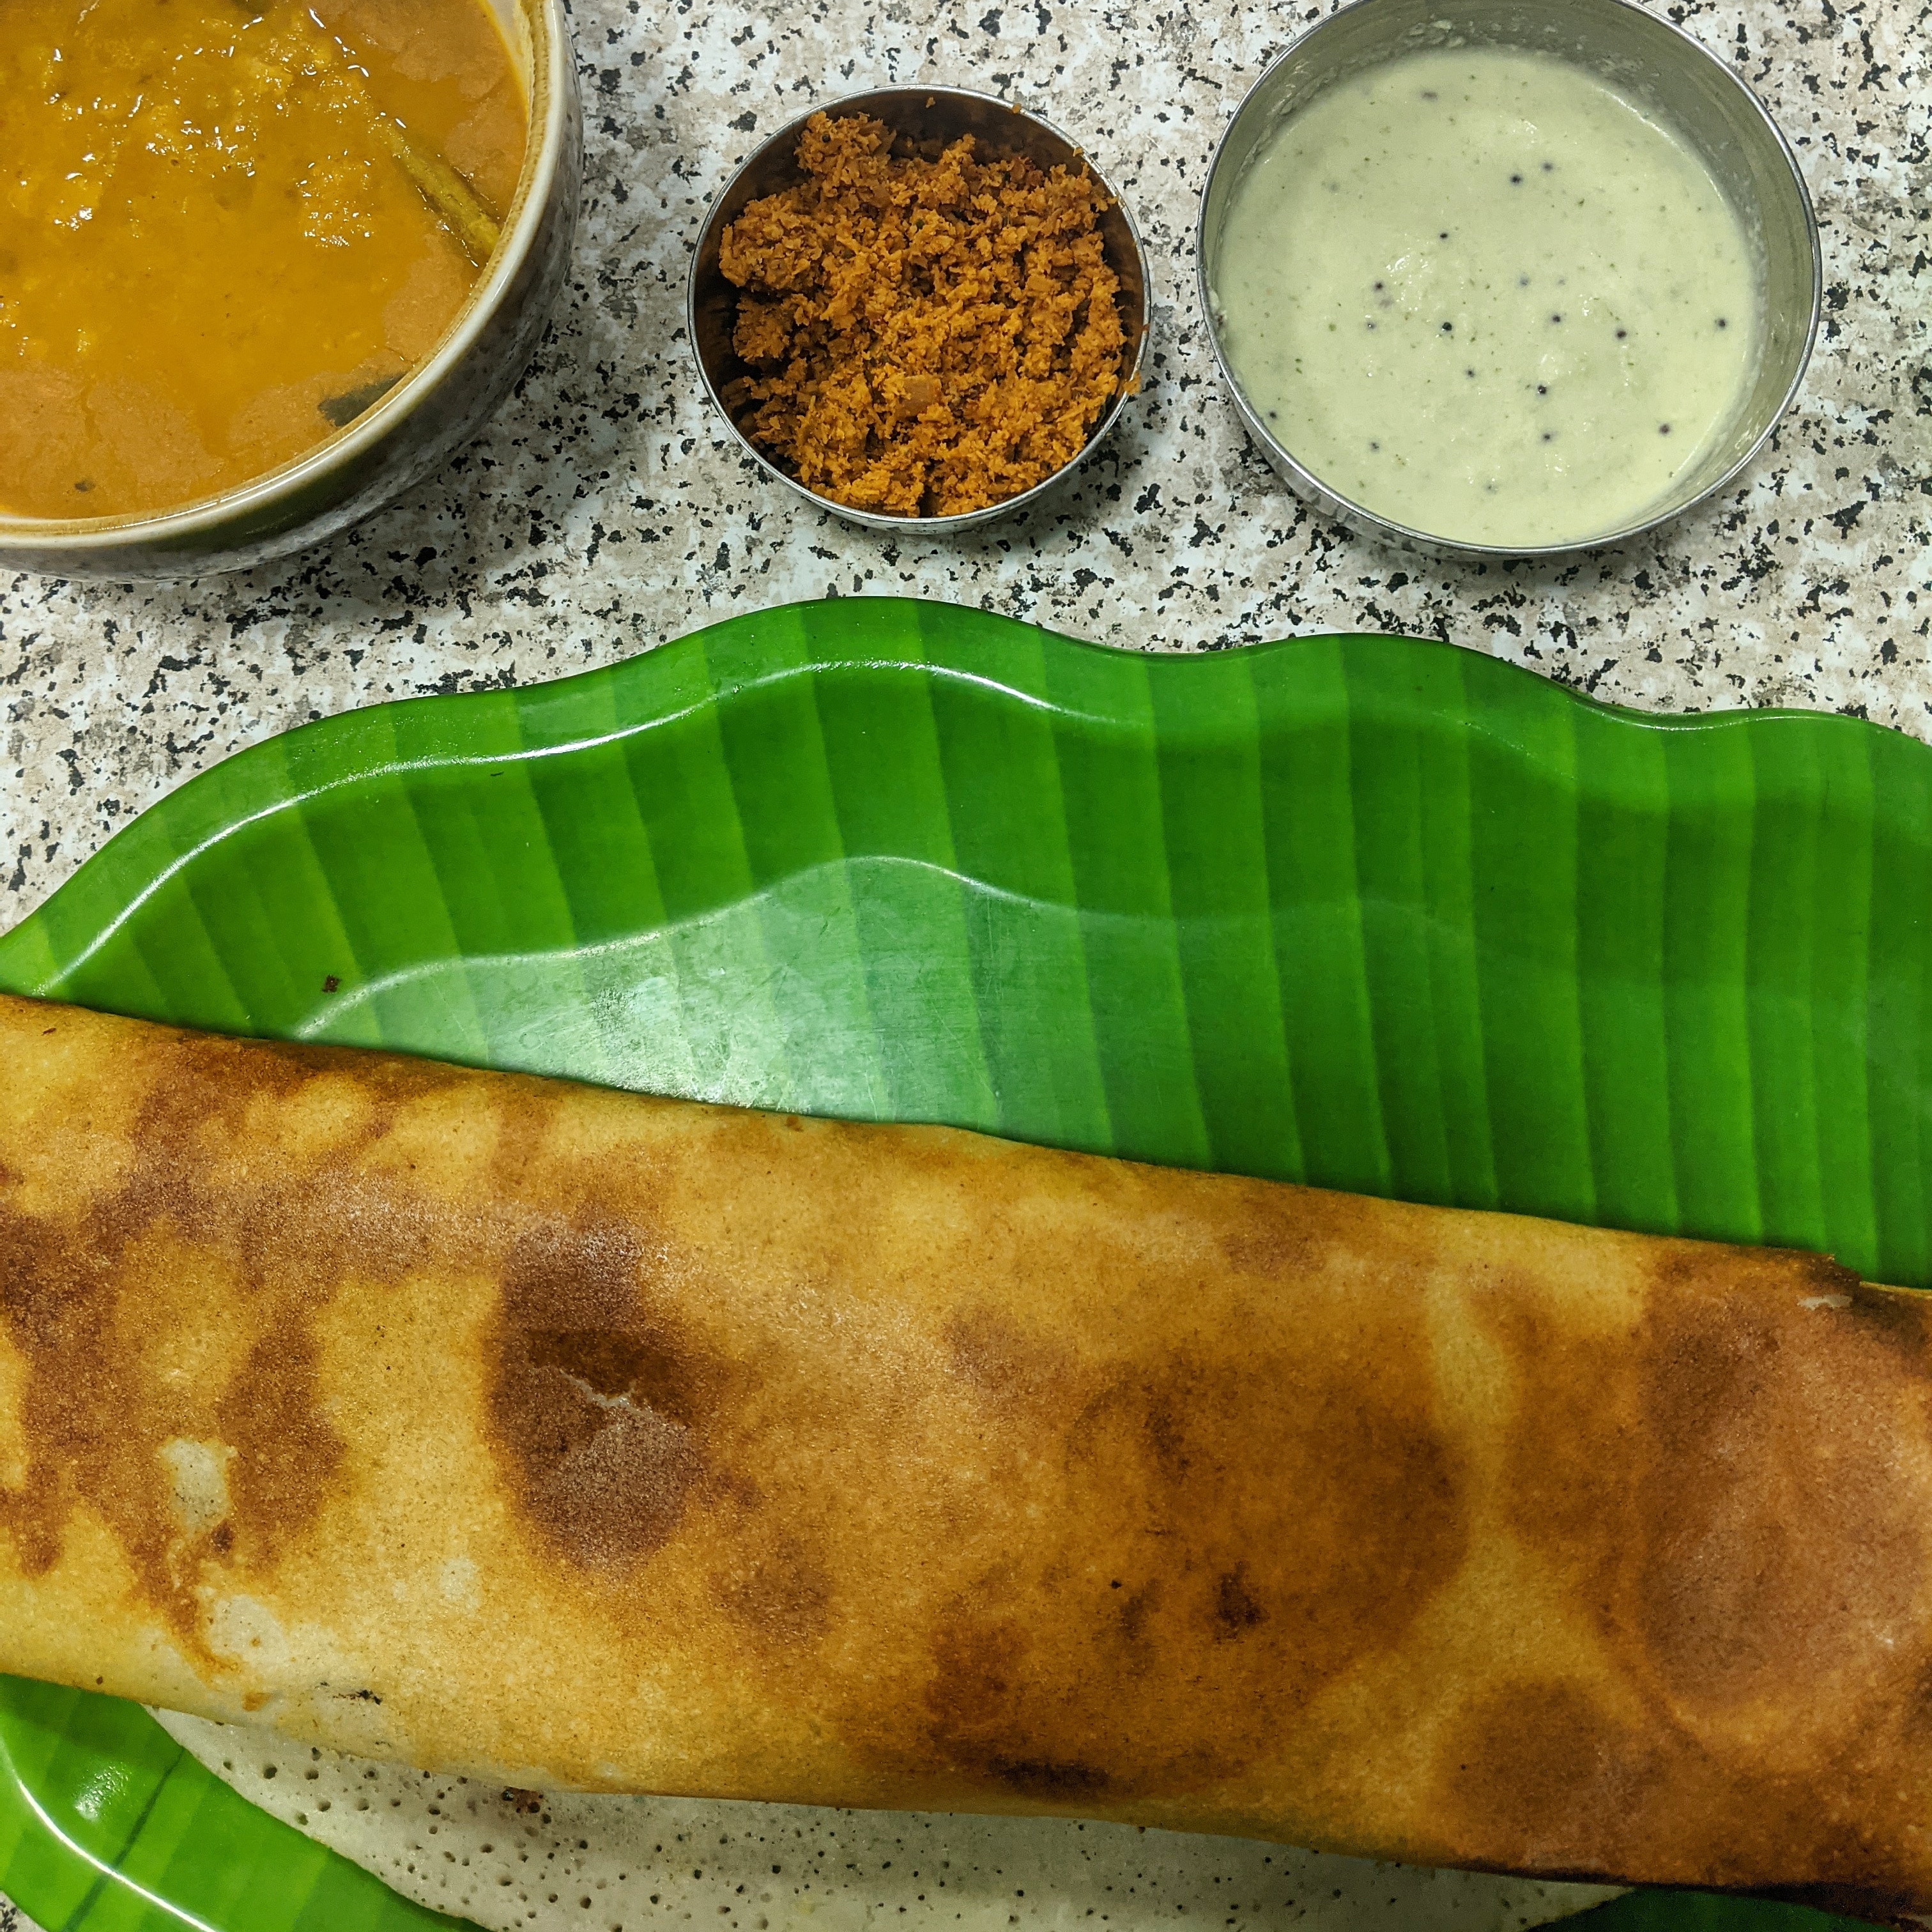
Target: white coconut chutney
1480,292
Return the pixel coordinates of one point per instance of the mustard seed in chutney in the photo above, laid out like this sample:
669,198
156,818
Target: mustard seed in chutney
1484,294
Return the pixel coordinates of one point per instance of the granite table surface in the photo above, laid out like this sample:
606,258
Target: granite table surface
605,510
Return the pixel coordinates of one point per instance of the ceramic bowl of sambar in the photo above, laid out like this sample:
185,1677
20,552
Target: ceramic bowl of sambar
301,274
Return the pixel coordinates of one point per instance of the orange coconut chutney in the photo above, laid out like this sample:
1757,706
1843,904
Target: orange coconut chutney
224,232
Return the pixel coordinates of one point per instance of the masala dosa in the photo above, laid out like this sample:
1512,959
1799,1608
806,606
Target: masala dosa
572,1439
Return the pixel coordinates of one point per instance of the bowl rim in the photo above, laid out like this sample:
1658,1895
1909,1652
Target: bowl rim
961,520
543,154
1346,509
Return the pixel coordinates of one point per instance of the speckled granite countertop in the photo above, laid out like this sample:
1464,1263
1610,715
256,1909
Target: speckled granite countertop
605,512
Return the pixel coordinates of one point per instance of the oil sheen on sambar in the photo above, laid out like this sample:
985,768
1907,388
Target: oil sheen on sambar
210,261
1483,294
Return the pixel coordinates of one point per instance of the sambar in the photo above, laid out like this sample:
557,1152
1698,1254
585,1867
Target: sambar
226,232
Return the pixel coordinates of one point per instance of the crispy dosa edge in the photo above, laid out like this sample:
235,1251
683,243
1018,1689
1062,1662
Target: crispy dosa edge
569,1437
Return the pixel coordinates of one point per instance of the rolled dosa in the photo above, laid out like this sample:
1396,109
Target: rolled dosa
573,1438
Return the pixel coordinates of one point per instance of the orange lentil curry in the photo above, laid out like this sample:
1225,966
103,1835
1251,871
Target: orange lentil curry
229,226
926,332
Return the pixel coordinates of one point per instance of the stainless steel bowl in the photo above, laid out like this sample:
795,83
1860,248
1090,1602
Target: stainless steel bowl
1645,57
424,420
925,114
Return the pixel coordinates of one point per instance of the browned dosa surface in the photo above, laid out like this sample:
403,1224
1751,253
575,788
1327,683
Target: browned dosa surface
575,1438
